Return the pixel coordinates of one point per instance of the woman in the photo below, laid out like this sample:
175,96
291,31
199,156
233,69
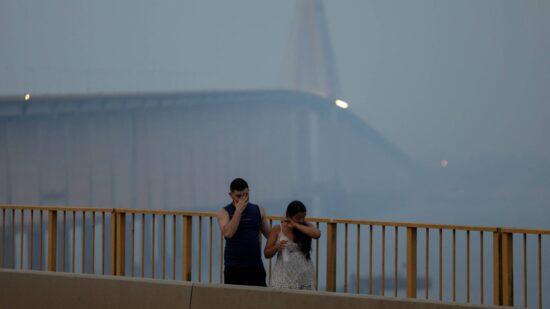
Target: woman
291,241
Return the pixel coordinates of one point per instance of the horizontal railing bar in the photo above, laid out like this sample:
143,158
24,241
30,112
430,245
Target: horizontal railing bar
56,208
311,219
417,225
397,224
525,231
166,212
401,224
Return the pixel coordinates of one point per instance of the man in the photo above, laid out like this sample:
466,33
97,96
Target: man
241,223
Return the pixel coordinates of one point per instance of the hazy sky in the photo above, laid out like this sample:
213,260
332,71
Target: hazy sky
440,79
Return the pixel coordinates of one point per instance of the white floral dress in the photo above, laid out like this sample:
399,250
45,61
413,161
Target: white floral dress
296,272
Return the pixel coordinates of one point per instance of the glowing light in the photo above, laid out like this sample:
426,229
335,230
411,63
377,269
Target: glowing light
341,104
27,97
444,163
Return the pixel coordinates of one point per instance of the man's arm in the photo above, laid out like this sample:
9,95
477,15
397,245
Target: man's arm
264,228
230,226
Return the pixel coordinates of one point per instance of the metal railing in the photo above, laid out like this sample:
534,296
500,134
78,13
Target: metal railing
184,245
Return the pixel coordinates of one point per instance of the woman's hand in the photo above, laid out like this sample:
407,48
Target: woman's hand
281,244
273,244
306,228
289,223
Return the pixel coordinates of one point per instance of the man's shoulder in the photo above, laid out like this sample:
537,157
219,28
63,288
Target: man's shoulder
255,207
225,209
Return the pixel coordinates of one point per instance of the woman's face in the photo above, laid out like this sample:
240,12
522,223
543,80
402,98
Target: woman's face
299,217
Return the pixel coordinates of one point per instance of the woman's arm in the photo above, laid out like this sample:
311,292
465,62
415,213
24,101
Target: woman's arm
306,228
272,246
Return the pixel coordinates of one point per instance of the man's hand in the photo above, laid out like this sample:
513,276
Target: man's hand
242,203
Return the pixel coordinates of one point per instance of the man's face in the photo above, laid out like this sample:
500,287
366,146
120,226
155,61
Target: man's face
237,195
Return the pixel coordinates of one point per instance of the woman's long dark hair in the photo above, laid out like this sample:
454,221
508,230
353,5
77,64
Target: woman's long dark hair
303,241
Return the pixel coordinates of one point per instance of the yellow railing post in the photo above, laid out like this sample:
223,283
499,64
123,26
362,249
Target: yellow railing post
507,269
331,256
503,268
411,262
118,238
52,240
497,268
120,241
113,243
187,249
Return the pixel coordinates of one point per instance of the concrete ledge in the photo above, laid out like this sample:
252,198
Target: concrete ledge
33,289
227,296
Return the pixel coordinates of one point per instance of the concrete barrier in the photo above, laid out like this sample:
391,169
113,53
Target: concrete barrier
29,289
32,289
212,296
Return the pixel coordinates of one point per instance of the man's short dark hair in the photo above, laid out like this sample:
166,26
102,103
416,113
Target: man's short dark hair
238,184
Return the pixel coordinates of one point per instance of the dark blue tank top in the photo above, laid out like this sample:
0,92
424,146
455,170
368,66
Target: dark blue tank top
243,249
